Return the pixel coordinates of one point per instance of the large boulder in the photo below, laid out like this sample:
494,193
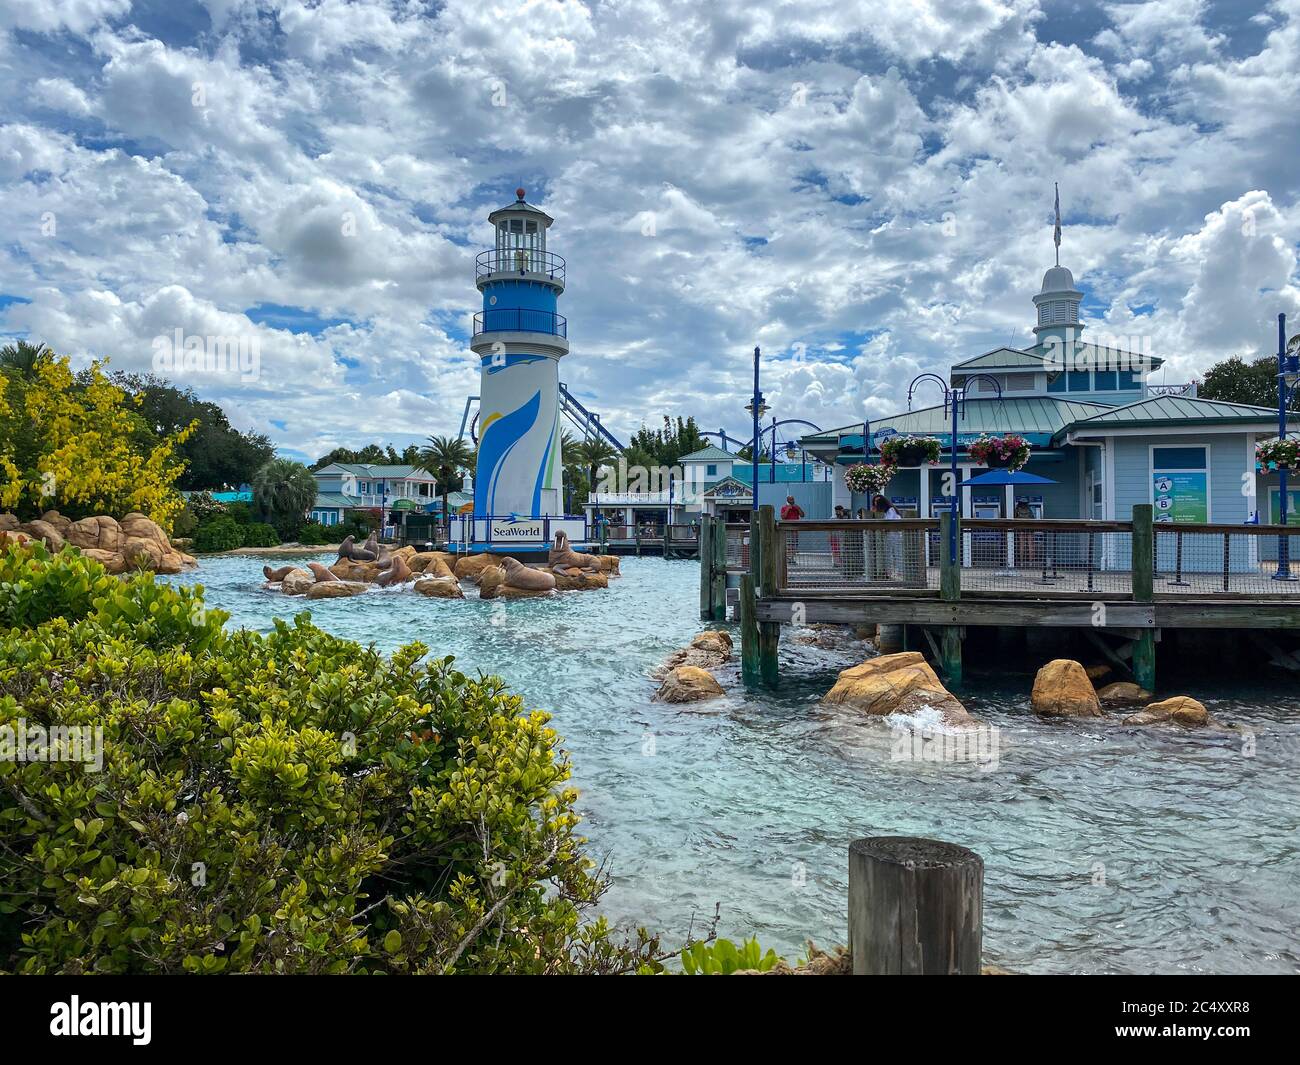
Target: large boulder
297,581
688,684
13,538
335,589
431,561
1123,693
45,532
1180,710
714,641
439,587
137,525
901,683
100,532
608,564
54,518
576,581
345,569
8,523
110,560
1062,689
471,567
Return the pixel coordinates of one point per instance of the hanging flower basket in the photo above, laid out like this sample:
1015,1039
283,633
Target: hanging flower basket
869,479
911,450
1280,453
1000,452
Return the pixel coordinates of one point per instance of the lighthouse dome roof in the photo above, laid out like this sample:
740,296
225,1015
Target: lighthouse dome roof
1057,279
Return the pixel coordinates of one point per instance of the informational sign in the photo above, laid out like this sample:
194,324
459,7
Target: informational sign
529,529
1292,506
1181,496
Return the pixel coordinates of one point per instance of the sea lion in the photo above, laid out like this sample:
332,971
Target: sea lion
321,573
562,558
367,552
525,578
274,575
396,572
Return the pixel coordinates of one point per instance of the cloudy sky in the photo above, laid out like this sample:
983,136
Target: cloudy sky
864,189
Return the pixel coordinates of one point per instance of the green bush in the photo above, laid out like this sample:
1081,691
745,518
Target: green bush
204,507
184,524
316,533
280,803
219,534
241,512
722,958
259,534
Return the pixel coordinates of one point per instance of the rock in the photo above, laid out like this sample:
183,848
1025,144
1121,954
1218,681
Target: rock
136,524
688,684
440,587
608,564
471,567
1098,671
54,518
45,532
1123,693
13,538
8,523
576,581
335,589
427,561
1180,710
172,562
690,656
110,560
714,641
897,684
407,553
297,581
141,553
101,532
347,570
322,575
1062,689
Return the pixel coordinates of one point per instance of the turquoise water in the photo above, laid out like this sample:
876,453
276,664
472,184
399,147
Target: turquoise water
1106,849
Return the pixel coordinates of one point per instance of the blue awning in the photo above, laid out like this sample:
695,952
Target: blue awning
1004,477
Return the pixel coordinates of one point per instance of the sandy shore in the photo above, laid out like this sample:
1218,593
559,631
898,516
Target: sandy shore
282,549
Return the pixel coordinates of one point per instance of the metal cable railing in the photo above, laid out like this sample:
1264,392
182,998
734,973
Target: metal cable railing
1218,560
496,261
520,320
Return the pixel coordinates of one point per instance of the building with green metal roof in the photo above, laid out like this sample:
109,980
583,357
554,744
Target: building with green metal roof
1102,436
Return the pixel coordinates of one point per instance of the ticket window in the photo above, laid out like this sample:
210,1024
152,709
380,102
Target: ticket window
987,548
906,506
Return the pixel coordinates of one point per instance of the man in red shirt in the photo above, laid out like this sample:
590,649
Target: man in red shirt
791,512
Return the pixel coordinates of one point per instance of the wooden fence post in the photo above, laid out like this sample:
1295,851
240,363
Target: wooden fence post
750,670
916,907
769,580
1142,568
950,590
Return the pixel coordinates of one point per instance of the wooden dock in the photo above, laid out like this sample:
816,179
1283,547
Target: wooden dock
1129,580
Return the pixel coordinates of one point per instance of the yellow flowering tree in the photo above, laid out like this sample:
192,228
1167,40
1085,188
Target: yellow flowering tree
79,446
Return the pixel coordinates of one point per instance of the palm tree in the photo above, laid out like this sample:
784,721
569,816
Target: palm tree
593,453
24,357
446,458
283,491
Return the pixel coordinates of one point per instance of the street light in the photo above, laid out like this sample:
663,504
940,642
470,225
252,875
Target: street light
757,408
954,401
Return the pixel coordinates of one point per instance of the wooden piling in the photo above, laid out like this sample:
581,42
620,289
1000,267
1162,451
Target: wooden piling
706,570
1142,568
719,542
950,644
750,669
915,907
769,580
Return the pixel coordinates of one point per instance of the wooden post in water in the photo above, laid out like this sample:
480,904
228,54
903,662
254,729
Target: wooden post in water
706,570
750,670
950,590
769,578
916,907
1142,568
719,543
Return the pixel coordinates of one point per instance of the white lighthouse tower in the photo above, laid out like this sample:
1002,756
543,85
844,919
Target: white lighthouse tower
519,337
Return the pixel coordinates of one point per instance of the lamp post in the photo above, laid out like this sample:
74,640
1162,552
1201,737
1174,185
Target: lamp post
1288,373
757,408
954,402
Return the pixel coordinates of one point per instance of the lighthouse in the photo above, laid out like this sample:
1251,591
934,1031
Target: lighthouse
519,337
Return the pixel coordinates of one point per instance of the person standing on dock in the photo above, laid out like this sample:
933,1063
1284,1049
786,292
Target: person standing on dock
791,512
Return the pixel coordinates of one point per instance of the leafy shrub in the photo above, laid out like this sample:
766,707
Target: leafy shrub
241,512
289,802
722,958
204,507
259,534
219,534
358,523
184,523
316,533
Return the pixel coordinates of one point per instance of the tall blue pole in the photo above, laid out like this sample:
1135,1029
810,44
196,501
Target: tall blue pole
956,491
1283,541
